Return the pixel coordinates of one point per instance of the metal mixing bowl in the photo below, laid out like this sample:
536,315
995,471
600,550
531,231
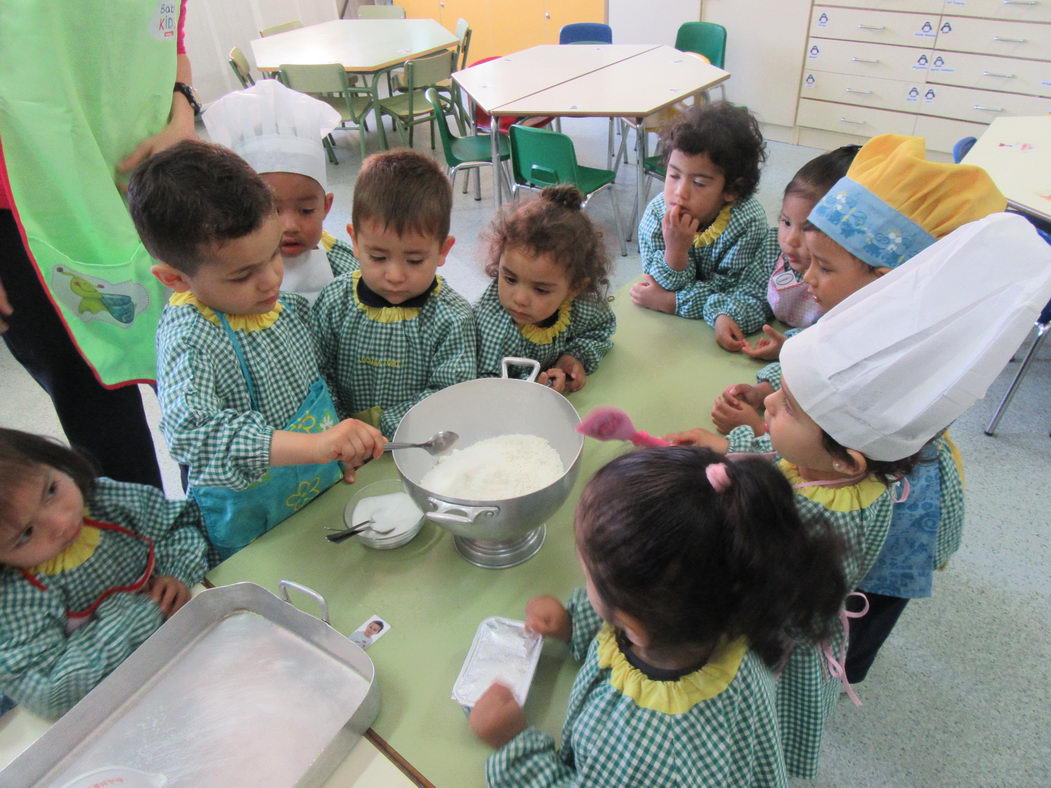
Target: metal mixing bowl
495,533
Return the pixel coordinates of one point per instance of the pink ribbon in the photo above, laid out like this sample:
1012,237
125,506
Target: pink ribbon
836,667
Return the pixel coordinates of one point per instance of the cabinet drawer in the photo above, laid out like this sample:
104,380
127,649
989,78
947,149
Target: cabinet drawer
855,24
862,121
1025,10
1011,75
915,6
889,94
987,37
941,133
979,106
871,60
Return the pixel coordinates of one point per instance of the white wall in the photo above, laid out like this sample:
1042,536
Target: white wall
654,22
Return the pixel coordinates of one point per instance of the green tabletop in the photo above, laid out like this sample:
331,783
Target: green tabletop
665,371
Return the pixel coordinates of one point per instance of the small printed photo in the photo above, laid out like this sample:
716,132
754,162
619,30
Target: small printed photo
368,633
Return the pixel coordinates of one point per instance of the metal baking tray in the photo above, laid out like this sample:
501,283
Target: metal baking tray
237,688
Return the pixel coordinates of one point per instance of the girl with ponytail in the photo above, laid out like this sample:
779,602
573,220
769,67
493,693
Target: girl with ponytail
699,574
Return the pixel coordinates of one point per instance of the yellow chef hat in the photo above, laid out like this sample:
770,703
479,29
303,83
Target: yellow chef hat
893,203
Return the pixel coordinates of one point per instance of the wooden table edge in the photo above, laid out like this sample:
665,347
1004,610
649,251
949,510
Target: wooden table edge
397,759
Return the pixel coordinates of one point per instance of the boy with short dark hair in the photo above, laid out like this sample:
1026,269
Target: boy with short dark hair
393,331
242,400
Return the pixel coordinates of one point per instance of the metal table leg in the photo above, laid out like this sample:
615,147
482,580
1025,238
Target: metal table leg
640,170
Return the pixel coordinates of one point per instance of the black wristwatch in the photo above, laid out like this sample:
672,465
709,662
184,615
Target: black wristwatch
191,97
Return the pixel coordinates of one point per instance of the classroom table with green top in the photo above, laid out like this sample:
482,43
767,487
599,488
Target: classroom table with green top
665,371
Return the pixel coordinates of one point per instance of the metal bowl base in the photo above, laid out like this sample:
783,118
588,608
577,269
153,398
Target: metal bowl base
490,554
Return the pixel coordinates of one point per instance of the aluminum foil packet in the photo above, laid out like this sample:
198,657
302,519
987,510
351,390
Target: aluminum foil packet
502,651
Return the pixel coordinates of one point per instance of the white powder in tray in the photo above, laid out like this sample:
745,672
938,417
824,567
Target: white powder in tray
496,469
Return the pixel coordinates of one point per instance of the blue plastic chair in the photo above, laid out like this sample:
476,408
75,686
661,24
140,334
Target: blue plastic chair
961,148
585,33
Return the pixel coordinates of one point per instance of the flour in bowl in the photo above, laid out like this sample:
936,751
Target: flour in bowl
495,469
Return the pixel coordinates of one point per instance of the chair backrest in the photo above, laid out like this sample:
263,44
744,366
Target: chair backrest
463,32
540,157
585,33
284,27
704,38
443,125
381,12
239,63
430,70
326,78
962,148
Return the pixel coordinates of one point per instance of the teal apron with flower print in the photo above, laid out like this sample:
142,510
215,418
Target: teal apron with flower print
233,518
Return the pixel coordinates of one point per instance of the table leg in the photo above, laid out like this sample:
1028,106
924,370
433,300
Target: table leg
640,170
376,109
494,146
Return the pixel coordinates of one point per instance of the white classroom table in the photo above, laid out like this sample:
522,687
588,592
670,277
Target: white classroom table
361,46
1016,152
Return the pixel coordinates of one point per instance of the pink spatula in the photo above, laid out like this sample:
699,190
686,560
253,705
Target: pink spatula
606,423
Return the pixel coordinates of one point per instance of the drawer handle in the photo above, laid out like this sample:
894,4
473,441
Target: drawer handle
854,90
1010,40
874,28
987,109
852,122
994,74
864,60
1021,2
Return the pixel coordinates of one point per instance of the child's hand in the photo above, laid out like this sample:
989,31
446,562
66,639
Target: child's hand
554,377
766,348
728,414
547,616
651,295
574,370
748,394
168,592
496,717
353,443
699,437
728,334
678,229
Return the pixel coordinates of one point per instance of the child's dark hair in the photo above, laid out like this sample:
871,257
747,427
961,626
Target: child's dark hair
886,471
195,195
731,138
405,191
819,175
695,565
555,226
22,453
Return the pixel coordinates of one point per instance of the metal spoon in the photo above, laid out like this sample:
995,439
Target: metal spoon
436,444
357,529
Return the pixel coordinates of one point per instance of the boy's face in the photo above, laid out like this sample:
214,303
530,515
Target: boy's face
794,210
373,628
835,273
397,267
697,185
302,206
531,288
240,277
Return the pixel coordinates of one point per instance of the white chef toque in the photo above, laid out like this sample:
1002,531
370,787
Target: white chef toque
899,360
274,128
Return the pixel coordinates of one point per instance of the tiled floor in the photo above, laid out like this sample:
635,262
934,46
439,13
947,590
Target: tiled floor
960,694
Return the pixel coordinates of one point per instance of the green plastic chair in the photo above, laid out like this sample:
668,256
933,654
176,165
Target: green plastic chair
468,153
284,27
239,64
329,83
411,108
704,38
541,158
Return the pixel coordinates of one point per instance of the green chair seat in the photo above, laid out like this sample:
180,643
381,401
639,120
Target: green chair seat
465,149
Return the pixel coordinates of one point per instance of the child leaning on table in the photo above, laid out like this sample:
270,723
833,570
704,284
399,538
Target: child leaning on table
89,568
702,239
393,332
242,400
695,566
547,300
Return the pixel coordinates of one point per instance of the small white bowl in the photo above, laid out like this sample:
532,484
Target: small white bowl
370,538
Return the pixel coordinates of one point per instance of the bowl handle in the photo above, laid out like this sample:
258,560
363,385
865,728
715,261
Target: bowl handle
443,512
515,361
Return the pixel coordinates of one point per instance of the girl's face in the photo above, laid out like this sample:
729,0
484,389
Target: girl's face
531,288
834,273
794,435
47,513
794,210
697,186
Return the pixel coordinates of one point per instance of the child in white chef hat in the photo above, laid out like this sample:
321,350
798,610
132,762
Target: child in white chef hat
279,132
867,387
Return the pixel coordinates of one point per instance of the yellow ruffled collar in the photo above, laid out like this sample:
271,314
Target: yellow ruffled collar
849,498
388,314
237,322
73,556
716,228
670,697
545,336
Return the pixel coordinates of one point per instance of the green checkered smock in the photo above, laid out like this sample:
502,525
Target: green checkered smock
583,330
48,669
206,413
608,739
950,526
380,361
340,255
728,276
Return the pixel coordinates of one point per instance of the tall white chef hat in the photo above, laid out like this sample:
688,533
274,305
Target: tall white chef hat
274,128
889,367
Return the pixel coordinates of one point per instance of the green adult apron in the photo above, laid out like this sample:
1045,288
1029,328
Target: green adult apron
81,84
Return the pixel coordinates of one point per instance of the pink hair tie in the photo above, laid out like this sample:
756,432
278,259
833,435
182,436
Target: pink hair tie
717,476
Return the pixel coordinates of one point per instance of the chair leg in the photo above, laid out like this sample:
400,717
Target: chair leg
617,223
1041,335
477,183
637,208
432,132
330,149
609,145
